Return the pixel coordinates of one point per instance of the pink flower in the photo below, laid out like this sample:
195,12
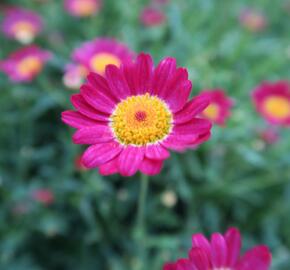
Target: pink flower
22,25
151,16
270,135
220,106
95,55
133,115
272,101
82,8
253,20
25,64
74,76
44,196
222,253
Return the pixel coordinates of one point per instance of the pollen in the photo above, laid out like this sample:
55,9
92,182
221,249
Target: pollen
29,65
101,60
24,31
141,120
277,106
212,111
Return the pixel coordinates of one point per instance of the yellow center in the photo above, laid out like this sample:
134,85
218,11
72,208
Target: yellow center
212,111
85,8
141,120
24,31
277,106
29,65
101,60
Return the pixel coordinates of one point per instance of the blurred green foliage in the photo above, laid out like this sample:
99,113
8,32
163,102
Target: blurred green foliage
235,179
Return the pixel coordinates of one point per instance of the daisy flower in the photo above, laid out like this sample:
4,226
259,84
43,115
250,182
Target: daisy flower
25,64
220,106
133,115
253,20
272,101
151,16
22,25
82,8
222,252
95,55
74,76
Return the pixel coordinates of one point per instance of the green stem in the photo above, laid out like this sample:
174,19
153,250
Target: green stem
141,223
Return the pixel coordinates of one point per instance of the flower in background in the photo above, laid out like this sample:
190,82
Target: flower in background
272,101
133,115
95,55
269,135
220,106
222,252
253,20
82,8
151,16
25,64
22,25
74,76
44,196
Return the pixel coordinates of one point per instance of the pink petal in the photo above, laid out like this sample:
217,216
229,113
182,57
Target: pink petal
200,258
129,74
184,264
200,241
162,74
179,142
97,99
169,266
218,250
195,126
150,166
109,168
144,73
117,82
77,120
93,135
130,160
234,243
156,151
84,108
191,109
201,139
256,258
99,154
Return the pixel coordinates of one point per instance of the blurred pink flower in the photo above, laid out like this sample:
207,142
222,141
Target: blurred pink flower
222,253
22,25
151,16
270,135
133,115
82,8
253,20
272,101
25,64
74,76
220,106
95,55
44,196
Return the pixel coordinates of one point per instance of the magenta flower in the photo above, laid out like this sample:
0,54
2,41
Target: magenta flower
22,25
44,196
253,20
25,64
133,115
74,76
222,253
272,101
95,55
269,135
82,8
220,106
151,16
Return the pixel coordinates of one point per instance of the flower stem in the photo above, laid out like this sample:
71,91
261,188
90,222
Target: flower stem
141,224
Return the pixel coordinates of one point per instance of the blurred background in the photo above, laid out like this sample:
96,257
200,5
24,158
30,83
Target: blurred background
56,215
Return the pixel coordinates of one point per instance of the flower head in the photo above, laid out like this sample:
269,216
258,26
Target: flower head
25,64
43,195
220,106
95,55
22,25
133,115
272,101
82,8
253,20
151,16
269,135
74,76
222,252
